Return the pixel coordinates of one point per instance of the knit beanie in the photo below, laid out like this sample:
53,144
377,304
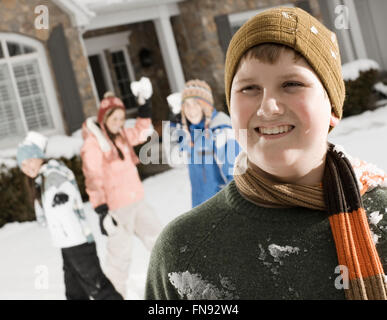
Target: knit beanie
198,89
110,101
300,31
32,147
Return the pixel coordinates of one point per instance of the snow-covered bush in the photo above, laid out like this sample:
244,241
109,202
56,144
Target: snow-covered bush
360,76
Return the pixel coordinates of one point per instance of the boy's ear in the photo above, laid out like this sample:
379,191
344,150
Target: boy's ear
334,120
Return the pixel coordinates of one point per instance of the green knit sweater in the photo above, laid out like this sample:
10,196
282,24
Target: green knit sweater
229,248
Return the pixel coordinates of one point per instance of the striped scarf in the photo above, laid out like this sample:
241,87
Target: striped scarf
340,196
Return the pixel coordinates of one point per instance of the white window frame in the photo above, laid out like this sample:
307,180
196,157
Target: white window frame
113,42
40,56
128,62
239,18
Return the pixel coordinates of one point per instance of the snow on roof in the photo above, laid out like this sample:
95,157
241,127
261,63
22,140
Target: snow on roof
351,70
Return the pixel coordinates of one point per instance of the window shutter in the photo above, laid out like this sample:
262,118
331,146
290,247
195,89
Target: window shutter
304,5
65,79
224,31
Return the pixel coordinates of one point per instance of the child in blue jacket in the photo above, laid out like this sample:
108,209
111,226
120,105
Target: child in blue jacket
202,137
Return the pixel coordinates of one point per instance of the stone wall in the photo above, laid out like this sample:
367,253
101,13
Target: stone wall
197,37
18,16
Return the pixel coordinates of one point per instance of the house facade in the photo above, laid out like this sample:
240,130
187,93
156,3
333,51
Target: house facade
58,57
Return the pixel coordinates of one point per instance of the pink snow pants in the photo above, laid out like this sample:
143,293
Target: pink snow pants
139,219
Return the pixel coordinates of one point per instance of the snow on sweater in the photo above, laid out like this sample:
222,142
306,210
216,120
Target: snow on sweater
229,248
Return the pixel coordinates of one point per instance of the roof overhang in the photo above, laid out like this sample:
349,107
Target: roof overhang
110,13
79,13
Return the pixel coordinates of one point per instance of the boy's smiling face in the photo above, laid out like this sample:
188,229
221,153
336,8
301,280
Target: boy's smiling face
285,111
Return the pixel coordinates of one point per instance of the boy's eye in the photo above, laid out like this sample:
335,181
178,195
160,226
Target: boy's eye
250,89
290,84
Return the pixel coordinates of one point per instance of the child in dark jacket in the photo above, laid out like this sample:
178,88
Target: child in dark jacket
58,205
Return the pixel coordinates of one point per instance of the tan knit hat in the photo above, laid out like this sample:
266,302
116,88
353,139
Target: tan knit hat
198,89
296,29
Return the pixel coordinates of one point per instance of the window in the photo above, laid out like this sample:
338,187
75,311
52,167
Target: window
25,102
123,78
238,19
111,66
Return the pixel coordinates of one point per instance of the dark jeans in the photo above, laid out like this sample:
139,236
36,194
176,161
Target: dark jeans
83,276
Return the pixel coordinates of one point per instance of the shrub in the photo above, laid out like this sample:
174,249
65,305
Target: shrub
14,202
360,95
15,198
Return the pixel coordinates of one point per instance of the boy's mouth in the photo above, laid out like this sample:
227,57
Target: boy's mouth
275,130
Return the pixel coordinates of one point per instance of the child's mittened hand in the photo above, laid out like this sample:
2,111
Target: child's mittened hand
174,102
142,89
109,224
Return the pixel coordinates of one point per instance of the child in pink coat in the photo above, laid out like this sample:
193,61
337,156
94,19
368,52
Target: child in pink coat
113,183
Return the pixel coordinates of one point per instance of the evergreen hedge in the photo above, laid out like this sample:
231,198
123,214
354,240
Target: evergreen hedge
360,95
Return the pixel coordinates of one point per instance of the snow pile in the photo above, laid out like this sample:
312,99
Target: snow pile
63,146
381,87
351,70
361,135
28,258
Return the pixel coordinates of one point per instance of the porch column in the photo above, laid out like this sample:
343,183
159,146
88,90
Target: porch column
355,30
169,50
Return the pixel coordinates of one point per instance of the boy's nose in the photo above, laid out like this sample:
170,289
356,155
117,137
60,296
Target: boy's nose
269,107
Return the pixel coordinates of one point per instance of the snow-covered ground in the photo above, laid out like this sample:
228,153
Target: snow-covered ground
30,267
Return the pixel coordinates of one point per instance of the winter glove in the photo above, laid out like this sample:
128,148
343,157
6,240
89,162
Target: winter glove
145,111
176,118
109,224
60,198
103,212
142,90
